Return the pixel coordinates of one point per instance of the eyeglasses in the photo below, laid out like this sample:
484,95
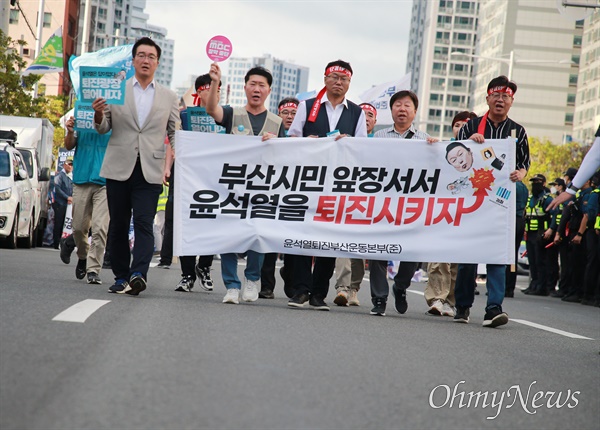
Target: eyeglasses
503,96
68,163
142,56
336,78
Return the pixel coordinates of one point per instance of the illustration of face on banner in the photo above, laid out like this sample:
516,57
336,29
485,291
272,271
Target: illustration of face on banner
219,48
103,82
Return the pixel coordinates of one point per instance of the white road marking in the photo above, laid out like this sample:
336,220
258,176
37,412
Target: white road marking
81,311
550,329
421,293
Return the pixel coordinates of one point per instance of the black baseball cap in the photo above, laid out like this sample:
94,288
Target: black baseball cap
538,177
558,181
571,172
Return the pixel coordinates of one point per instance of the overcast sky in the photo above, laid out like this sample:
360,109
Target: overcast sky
372,35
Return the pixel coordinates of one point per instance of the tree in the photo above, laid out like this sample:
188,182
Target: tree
54,109
14,96
552,160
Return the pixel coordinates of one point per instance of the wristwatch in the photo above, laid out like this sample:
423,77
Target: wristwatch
573,187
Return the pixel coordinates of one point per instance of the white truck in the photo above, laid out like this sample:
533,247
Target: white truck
35,138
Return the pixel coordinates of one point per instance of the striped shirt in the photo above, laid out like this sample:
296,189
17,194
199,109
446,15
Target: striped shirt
501,132
391,132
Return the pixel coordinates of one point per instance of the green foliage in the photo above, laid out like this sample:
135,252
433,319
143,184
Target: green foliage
54,109
552,160
14,90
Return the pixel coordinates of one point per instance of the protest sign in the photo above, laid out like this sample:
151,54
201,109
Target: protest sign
199,120
383,199
104,82
84,117
219,48
114,56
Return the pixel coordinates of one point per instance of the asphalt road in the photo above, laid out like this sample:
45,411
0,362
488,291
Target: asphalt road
169,360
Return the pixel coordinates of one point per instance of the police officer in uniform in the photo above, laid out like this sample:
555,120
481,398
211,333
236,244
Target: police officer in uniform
589,207
574,229
554,252
537,222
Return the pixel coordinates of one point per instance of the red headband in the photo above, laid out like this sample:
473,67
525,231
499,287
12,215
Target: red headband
203,87
338,69
288,105
501,89
369,108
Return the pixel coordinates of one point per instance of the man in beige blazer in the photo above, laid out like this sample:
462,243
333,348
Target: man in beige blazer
134,164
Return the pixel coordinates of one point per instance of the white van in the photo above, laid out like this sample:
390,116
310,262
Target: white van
16,200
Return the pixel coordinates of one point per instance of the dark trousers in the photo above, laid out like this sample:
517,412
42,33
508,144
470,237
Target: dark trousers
553,267
166,251
316,281
378,277
188,263
590,279
511,277
267,272
141,197
464,290
538,261
577,261
60,212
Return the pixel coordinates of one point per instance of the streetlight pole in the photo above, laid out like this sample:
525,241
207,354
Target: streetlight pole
511,61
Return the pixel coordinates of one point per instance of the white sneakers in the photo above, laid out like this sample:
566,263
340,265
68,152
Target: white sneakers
250,290
352,299
249,293
232,296
441,308
436,307
447,310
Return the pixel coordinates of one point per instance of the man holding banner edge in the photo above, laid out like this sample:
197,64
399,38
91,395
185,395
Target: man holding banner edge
495,124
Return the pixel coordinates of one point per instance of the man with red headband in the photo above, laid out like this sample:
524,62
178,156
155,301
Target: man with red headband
288,107
370,116
328,114
350,271
495,124
252,119
190,271
287,111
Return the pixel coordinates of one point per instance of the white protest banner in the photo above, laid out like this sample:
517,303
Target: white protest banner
105,82
381,199
379,96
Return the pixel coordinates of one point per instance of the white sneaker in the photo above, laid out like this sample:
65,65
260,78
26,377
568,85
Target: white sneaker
436,307
447,310
250,291
232,296
352,299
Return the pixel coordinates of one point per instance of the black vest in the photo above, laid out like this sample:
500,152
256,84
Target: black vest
346,124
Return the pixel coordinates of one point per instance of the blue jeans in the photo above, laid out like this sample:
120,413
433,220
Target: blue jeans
464,291
254,261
